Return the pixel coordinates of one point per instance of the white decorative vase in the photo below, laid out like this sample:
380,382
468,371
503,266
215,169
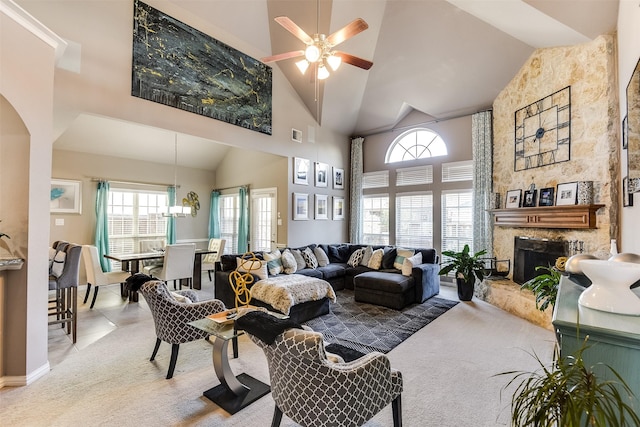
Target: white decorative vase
610,286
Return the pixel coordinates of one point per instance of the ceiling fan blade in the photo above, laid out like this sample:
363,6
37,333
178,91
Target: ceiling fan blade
354,60
281,56
293,28
351,29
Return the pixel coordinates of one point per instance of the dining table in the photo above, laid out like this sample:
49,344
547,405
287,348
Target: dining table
131,263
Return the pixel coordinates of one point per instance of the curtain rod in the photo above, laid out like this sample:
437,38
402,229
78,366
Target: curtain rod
231,188
150,184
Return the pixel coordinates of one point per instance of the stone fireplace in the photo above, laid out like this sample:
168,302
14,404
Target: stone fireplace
530,252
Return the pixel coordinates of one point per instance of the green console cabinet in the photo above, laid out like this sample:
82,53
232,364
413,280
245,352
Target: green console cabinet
614,339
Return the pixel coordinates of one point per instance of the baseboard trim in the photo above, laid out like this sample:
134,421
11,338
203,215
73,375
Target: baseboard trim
24,380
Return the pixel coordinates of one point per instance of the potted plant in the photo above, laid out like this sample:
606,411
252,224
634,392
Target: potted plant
467,268
569,394
545,286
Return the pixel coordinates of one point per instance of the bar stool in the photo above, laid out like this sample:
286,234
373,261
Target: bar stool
66,286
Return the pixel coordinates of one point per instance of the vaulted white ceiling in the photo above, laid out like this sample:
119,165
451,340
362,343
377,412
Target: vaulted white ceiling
444,58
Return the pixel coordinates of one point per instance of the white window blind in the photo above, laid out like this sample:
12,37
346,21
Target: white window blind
263,202
418,175
229,218
414,220
379,179
457,171
457,220
375,219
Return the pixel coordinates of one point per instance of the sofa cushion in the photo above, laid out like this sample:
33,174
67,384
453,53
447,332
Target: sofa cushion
339,253
300,262
310,272
385,282
368,251
389,257
309,258
255,267
332,271
289,263
429,256
321,256
274,262
401,254
356,257
409,263
375,262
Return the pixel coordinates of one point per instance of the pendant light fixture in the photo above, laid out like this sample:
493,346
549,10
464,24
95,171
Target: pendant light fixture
176,210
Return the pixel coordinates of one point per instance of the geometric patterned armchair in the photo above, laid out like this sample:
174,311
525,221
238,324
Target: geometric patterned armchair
171,316
314,391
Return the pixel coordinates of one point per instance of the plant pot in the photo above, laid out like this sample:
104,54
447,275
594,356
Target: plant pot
465,289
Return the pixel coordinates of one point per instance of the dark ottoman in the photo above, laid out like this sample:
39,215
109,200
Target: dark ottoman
391,290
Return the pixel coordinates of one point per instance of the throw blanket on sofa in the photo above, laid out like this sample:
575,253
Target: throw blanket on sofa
284,291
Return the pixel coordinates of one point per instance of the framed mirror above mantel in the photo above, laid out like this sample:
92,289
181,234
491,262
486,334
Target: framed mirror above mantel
633,130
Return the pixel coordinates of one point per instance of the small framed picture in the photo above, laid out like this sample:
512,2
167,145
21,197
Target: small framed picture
301,171
625,137
627,197
338,178
546,196
530,197
338,208
322,170
567,194
300,206
513,199
322,206
66,196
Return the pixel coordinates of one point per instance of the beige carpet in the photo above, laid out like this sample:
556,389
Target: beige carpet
448,368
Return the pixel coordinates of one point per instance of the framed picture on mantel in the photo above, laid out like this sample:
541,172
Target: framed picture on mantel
546,196
513,199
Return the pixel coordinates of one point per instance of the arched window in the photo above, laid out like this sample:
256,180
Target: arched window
416,144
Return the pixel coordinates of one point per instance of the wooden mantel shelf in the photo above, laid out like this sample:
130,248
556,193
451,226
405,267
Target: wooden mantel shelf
570,216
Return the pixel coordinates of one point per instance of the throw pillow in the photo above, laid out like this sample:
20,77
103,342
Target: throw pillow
181,298
274,262
401,254
56,262
300,262
409,263
368,251
321,256
256,267
375,262
356,257
289,262
309,258
388,258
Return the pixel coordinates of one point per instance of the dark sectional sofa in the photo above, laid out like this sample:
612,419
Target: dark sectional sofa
386,286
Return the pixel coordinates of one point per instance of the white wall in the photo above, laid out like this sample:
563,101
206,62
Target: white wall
628,55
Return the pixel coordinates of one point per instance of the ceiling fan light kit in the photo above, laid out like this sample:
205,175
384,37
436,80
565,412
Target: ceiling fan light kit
318,48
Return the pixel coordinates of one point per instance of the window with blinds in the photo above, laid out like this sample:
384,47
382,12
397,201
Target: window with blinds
263,216
457,220
375,219
419,175
457,171
133,216
414,220
379,179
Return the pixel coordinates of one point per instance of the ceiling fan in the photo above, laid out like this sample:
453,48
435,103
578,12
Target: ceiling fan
319,52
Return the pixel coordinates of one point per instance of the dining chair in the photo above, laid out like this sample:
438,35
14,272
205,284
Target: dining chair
209,260
95,275
178,264
65,285
154,245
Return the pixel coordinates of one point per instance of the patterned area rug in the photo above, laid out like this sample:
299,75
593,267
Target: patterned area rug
366,327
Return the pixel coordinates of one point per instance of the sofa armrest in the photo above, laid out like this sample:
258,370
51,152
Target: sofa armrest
427,281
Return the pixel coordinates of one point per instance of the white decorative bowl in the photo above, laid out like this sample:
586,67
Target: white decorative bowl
610,286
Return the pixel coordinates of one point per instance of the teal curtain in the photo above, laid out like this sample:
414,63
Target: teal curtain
171,221
243,221
102,224
214,215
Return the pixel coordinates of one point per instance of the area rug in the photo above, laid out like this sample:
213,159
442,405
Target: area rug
367,327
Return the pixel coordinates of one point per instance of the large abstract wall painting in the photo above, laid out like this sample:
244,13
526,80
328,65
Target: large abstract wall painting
179,66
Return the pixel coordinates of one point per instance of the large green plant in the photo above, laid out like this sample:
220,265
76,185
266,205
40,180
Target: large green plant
544,287
466,265
569,394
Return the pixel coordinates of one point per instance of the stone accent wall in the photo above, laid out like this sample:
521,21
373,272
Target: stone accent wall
590,70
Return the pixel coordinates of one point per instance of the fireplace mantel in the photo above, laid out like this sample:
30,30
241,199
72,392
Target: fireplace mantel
569,216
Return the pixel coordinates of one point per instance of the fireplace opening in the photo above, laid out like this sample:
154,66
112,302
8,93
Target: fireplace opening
528,253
